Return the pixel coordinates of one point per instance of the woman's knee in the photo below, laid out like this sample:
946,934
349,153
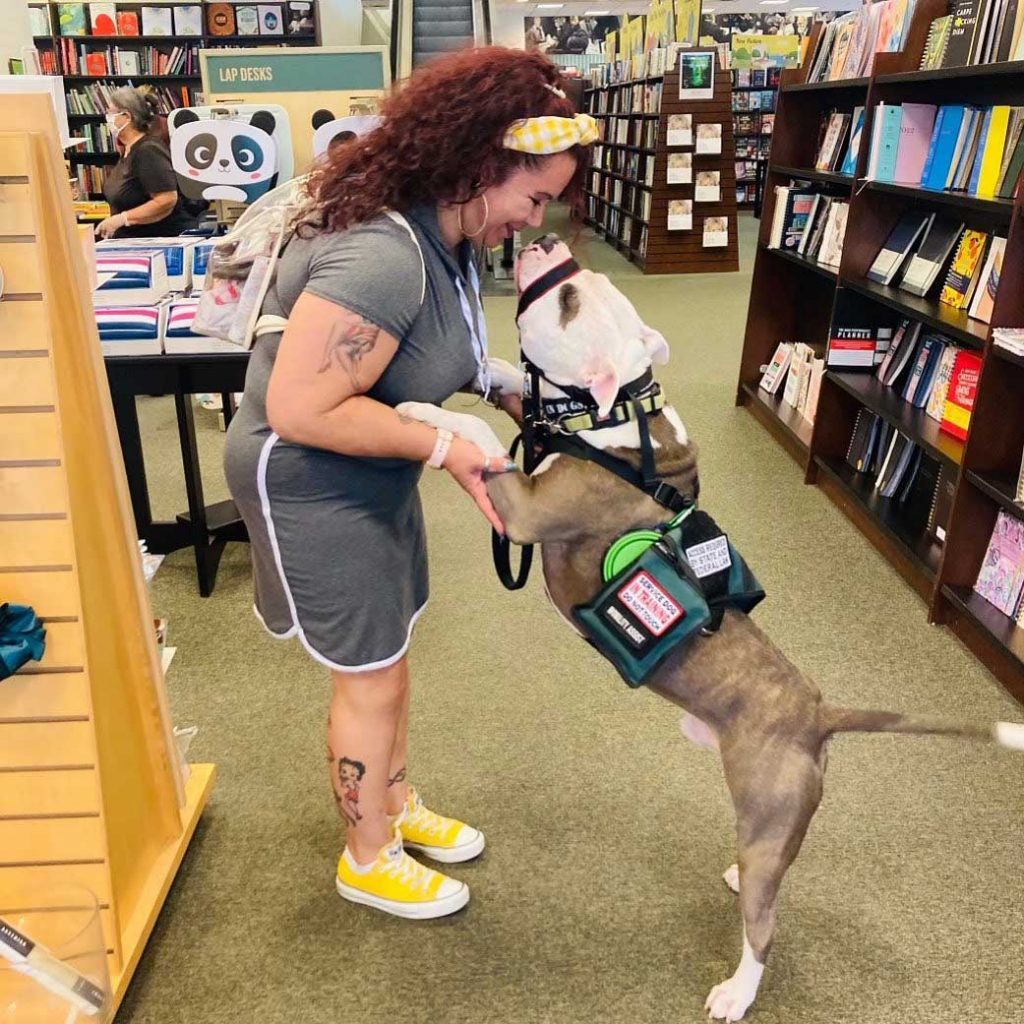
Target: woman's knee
379,689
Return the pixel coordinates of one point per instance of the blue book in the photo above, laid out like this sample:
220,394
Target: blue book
924,385
850,163
933,145
937,168
972,187
889,143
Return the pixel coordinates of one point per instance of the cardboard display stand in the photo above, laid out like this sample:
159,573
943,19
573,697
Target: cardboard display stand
91,789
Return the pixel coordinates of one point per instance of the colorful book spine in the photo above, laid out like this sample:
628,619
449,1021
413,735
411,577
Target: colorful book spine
889,143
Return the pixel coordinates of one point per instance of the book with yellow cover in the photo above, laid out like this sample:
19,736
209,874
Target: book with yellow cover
963,274
992,157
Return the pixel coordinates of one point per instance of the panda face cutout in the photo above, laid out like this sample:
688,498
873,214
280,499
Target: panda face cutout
333,131
222,158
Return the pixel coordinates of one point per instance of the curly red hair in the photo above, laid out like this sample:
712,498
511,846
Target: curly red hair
441,138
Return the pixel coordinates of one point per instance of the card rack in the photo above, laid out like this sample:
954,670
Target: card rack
794,299
652,247
91,789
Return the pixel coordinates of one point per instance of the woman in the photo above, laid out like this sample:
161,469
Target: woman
383,309
142,188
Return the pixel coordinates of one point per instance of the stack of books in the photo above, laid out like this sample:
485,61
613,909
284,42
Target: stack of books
847,47
95,98
809,224
978,150
840,142
1001,577
975,32
919,247
1009,338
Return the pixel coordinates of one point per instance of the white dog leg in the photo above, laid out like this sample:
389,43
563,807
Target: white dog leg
698,732
732,877
470,428
505,377
731,1000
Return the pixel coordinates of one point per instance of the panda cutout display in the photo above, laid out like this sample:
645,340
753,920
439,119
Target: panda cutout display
332,131
223,158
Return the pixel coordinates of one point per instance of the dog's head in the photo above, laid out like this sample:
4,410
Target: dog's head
583,332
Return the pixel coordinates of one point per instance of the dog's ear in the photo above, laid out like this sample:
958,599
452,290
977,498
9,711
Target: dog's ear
602,380
654,344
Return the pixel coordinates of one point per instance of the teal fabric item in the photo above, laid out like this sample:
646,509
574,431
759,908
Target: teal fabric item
22,638
677,588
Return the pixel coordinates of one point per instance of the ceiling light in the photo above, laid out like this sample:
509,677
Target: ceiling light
804,10
557,7
594,14
766,2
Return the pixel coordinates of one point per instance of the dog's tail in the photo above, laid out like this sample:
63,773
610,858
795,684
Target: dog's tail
836,719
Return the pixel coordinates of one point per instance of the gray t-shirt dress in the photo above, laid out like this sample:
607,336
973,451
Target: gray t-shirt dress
339,548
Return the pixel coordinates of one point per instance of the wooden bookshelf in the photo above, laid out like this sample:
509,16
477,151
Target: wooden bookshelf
192,81
647,242
791,299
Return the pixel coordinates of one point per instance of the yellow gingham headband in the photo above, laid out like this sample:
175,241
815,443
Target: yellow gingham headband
550,134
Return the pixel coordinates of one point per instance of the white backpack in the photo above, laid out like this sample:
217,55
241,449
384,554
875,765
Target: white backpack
242,263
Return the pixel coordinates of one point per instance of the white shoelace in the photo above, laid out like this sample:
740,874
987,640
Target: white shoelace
421,817
409,871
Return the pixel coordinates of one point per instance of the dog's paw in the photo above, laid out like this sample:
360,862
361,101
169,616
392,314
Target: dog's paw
505,377
730,1000
424,412
732,877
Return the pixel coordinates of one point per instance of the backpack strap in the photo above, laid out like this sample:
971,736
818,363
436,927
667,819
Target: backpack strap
269,323
399,219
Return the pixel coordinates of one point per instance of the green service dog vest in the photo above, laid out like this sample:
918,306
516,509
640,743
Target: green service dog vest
676,589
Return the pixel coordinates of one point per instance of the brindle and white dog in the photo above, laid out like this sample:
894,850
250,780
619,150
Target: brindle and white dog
742,697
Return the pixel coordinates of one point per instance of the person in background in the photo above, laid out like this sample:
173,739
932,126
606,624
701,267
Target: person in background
142,188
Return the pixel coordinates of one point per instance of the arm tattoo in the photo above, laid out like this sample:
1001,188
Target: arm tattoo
347,345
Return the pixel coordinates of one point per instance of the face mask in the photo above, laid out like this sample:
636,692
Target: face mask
115,129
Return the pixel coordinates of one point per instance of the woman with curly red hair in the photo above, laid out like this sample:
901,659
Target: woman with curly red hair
381,296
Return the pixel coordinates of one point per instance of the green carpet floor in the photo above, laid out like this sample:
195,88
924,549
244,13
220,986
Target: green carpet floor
599,898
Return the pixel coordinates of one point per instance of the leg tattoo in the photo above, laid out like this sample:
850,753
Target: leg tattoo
398,777
350,775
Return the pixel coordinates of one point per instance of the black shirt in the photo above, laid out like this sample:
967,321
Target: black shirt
145,172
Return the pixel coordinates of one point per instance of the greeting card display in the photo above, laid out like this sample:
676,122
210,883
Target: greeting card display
709,138
680,169
708,188
680,215
680,130
716,232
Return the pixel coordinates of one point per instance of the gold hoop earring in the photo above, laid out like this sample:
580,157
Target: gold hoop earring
483,226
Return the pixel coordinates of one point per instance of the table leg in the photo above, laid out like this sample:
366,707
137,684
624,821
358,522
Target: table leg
227,401
127,418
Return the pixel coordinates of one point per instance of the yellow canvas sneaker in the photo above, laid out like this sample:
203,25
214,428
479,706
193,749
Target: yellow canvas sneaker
435,836
397,884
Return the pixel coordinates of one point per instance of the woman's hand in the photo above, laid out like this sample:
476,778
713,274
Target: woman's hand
106,228
467,463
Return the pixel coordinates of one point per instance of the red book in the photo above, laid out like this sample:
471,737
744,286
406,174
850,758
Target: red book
963,388
127,23
96,64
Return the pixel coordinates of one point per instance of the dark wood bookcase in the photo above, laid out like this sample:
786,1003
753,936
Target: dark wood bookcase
793,299
759,138
193,82
663,251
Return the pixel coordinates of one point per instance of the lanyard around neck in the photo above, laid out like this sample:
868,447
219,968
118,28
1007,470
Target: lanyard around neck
477,326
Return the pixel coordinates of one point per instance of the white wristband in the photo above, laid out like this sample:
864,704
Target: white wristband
441,446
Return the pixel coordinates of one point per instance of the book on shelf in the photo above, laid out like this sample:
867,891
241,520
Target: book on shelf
798,375
157,21
847,46
247,20
983,303
849,165
1011,339
926,264
792,209
1018,495
127,23
831,249
885,142
915,135
220,19
39,21
979,32
1001,576
809,401
850,347
917,497
935,44
775,372
271,19
831,149
898,246
900,353
942,506
897,461
918,386
103,19
866,428
936,405
965,270
71,20
963,389
188,20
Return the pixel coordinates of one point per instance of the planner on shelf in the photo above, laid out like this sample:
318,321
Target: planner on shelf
975,150
975,32
847,46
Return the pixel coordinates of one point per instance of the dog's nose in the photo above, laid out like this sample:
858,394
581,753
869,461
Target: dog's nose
548,242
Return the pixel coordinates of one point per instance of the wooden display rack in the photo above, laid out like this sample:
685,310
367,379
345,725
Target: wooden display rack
795,299
91,790
674,252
